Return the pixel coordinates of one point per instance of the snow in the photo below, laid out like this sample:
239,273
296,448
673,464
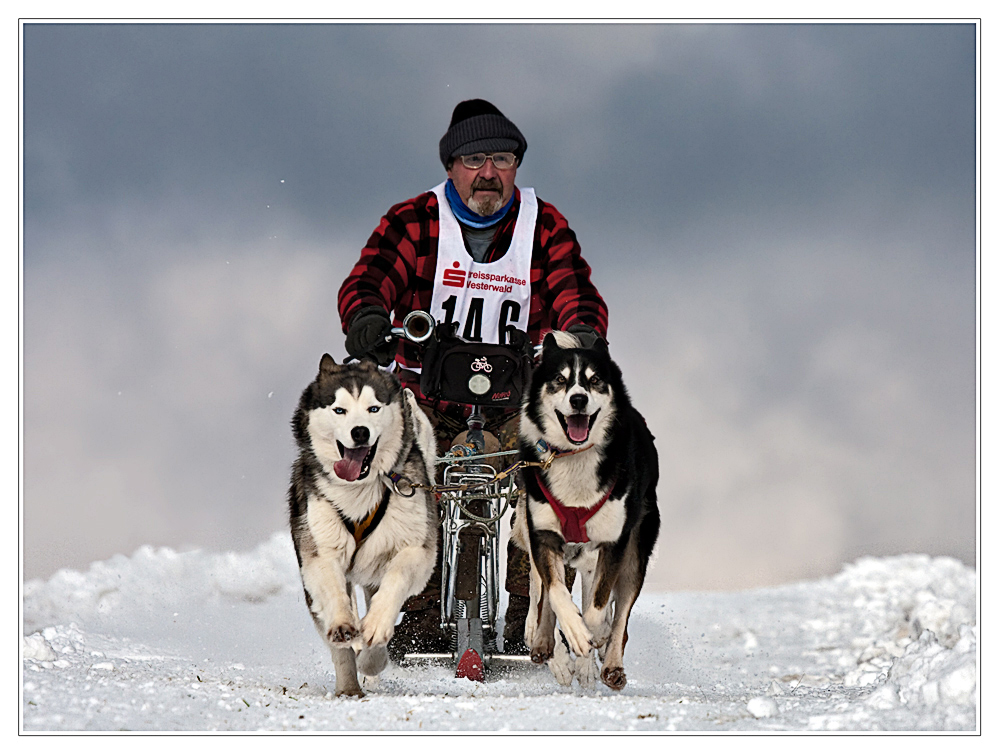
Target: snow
199,641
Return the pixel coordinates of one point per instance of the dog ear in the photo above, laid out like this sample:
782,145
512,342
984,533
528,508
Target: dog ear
328,366
549,343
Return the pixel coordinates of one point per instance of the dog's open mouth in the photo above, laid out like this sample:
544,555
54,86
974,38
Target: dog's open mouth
356,462
577,426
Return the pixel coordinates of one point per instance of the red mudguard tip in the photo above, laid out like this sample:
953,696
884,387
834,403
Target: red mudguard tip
470,667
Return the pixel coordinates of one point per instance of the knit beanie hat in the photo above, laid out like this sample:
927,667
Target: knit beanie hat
477,126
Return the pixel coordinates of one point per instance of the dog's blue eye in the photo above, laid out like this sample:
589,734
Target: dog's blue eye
339,410
374,409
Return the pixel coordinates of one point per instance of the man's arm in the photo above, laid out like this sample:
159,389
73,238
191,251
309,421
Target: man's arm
564,283
387,265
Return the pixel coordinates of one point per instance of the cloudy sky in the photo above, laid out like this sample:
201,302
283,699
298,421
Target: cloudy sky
781,218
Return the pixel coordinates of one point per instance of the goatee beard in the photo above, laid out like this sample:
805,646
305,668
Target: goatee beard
486,205
488,202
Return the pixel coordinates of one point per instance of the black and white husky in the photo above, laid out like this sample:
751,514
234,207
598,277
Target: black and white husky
594,508
357,429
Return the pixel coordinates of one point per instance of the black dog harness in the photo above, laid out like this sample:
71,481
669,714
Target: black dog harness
364,528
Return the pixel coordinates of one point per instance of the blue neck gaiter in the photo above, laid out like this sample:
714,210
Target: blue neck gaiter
468,217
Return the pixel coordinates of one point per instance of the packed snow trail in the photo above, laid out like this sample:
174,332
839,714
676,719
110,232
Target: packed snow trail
205,642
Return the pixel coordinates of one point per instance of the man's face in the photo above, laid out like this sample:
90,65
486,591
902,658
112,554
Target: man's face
485,190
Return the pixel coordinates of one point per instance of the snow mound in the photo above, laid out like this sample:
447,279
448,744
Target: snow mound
914,607
918,638
154,577
36,648
931,593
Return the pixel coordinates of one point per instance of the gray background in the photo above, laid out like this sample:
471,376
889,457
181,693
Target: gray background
780,217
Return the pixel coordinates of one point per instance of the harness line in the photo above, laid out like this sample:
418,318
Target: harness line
404,487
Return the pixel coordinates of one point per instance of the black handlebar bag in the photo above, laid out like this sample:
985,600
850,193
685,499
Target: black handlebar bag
476,373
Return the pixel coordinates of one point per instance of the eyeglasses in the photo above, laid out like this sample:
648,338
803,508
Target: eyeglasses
502,160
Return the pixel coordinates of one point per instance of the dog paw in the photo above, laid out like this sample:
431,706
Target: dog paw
577,635
372,661
540,656
542,651
529,632
350,692
347,686
342,634
377,629
599,625
586,671
614,677
562,665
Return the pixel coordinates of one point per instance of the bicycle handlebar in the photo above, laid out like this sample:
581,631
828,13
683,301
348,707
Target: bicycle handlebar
418,326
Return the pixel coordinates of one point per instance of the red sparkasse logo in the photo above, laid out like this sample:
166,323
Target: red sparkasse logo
454,277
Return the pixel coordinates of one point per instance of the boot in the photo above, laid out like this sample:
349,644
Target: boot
419,632
513,626
420,629
516,585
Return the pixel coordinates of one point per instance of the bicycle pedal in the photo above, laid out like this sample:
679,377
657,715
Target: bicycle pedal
470,667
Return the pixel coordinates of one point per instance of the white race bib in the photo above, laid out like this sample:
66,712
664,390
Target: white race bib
486,299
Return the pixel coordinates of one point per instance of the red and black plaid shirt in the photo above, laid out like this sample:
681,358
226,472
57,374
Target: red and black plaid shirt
397,265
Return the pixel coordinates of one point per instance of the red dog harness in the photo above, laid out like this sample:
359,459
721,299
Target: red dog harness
572,519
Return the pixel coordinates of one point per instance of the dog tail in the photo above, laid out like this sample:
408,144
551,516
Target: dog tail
565,340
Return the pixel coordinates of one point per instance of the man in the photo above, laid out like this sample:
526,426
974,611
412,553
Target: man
433,252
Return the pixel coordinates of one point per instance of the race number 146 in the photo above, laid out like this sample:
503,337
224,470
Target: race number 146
472,328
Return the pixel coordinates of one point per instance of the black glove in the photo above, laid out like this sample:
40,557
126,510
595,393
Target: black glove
589,338
366,335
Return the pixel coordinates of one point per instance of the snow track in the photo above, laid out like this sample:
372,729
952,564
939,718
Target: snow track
167,641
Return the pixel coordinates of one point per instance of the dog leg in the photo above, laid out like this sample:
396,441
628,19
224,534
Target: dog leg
561,601
535,598
347,673
562,664
613,671
577,634
627,586
406,575
586,670
540,624
544,643
548,558
598,620
371,660
325,582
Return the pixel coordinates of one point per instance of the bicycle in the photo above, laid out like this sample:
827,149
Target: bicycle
474,495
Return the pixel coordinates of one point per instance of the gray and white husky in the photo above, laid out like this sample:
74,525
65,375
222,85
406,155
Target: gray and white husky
594,508
355,426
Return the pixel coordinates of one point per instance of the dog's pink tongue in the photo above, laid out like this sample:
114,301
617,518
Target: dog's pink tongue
578,427
349,468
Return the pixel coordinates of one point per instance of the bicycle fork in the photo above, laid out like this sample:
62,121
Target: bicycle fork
469,577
